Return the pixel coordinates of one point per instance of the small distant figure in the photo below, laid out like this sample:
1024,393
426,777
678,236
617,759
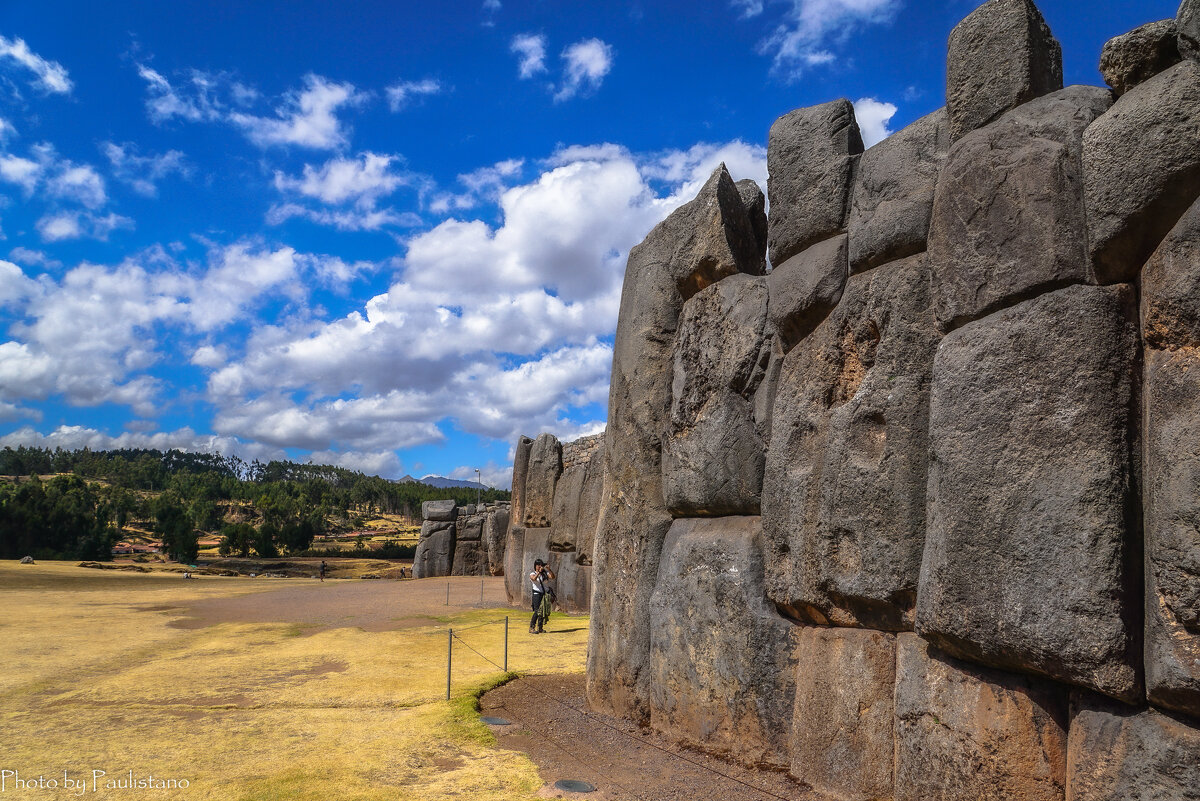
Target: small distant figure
542,596
323,568
187,574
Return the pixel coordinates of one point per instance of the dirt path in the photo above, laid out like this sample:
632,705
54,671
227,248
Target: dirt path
369,605
614,755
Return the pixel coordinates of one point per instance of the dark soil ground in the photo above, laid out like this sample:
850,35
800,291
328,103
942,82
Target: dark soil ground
550,721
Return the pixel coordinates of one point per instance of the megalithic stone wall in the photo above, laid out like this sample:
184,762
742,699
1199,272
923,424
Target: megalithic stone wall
915,514
461,541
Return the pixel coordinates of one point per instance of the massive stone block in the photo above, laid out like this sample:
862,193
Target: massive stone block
445,511
1141,170
537,546
1171,498
1000,56
514,564
701,242
844,492
805,288
1008,216
722,661
810,166
1187,21
842,740
545,466
965,733
520,471
470,558
1028,561
1139,55
893,192
712,455
495,535
434,555
572,581
755,203
1119,754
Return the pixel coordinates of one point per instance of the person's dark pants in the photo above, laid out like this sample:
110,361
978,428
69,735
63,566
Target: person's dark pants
536,621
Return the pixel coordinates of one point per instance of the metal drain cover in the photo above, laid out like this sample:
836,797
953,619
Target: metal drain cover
574,786
496,721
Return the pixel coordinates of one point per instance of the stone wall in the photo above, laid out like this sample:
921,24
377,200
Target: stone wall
556,497
461,541
914,515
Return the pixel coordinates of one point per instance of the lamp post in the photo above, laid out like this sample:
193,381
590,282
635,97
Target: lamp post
478,489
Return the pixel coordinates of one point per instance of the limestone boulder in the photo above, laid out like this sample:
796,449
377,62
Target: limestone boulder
1187,22
805,288
1028,564
1008,215
495,534
537,546
893,193
470,558
1119,754
722,661
712,455
520,471
434,555
965,733
811,154
545,466
844,493
755,203
572,581
1002,55
1171,287
701,242
567,494
1141,170
1139,55
514,564
591,498
445,511
842,742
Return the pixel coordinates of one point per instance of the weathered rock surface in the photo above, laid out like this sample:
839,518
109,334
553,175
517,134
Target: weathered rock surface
893,193
701,242
965,733
810,165
712,455
1002,55
537,546
842,728
1187,21
1139,55
722,661
545,466
1118,754
434,555
439,510
805,288
520,472
1171,328
755,203
844,494
514,564
495,533
1141,170
572,581
1008,216
1026,564
470,558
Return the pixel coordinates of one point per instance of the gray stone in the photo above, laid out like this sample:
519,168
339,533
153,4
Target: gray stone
520,471
545,466
468,510
1026,564
1187,21
756,209
470,558
805,288
712,456
842,741
722,661
27,560
1002,55
965,733
844,494
577,500
495,533
471,528
572,581
893,192
514,564
1139,55
1141,170
810,164
1171,287
1118,754
701,242
1008,216
435,554
439,510
537,546
591,499
430,527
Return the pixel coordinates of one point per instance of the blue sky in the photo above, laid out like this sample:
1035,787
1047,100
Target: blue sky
389,235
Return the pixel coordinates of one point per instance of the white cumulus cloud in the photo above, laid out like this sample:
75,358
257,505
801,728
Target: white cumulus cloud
143,173
531,54
399,95
307,118
49,76
587,62
808,30
873,117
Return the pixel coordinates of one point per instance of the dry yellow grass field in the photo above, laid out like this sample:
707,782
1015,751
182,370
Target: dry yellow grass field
96,678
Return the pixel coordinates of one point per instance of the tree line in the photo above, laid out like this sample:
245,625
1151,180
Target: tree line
78,511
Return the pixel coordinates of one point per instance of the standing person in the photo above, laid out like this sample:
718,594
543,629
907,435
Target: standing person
540,575
322,570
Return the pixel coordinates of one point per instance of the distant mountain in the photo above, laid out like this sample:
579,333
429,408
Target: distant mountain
441,482
406,479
